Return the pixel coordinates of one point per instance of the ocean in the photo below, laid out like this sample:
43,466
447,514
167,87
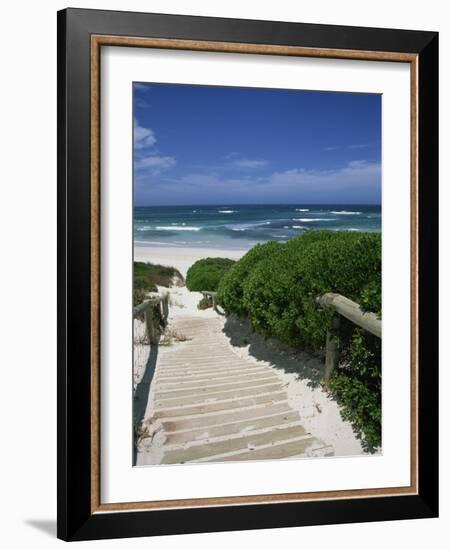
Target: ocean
233,226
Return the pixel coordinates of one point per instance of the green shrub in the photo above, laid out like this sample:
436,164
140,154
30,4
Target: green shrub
279,295
230,290
147,276
356,385
370,299
276,287
206,274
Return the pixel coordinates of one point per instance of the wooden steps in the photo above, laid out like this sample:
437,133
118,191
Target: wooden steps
210,405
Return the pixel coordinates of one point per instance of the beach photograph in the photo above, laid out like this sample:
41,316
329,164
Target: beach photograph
257,300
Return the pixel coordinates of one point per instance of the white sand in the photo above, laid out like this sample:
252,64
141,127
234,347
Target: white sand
181,258
301,374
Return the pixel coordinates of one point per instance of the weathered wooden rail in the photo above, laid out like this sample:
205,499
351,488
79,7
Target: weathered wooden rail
212,297
351,311
155,310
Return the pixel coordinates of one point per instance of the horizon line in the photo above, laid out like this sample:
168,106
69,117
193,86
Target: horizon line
261,204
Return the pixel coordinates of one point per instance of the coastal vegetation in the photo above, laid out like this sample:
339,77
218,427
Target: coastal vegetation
276,286
147,276
231,289
207,273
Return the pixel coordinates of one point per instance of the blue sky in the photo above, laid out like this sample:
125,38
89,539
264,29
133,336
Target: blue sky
213,145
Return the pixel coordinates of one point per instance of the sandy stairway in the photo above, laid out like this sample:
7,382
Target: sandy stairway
207,404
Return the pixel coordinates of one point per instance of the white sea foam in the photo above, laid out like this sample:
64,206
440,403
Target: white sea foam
227,211
313,219
298,227
302,209
144,228
345,212
159,243
171,228
244,226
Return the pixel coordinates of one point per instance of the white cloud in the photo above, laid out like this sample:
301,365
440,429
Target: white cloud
148,161
359,146
143,137
355,146
356,164
358,174
357,181
156,162
250,163
141,86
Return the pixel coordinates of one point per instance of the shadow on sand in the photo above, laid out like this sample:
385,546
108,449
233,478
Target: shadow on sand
141,395
308,367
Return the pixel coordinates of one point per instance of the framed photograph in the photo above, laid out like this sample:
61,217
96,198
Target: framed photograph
248,295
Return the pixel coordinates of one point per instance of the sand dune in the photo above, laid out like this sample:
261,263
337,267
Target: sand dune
181,258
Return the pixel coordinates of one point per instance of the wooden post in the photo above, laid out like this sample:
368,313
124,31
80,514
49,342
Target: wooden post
153,323
332,348
149,325
212,299
165,306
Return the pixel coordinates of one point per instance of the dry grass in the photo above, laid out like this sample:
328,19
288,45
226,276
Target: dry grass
205,303
141,339
170,336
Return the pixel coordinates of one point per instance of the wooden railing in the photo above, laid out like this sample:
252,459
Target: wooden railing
212,297
155,310
351,311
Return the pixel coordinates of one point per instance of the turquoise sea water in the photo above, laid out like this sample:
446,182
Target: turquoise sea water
231,226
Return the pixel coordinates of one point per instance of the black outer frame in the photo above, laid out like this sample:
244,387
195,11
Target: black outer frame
75,521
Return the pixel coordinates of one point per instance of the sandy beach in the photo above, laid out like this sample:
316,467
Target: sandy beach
181,258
